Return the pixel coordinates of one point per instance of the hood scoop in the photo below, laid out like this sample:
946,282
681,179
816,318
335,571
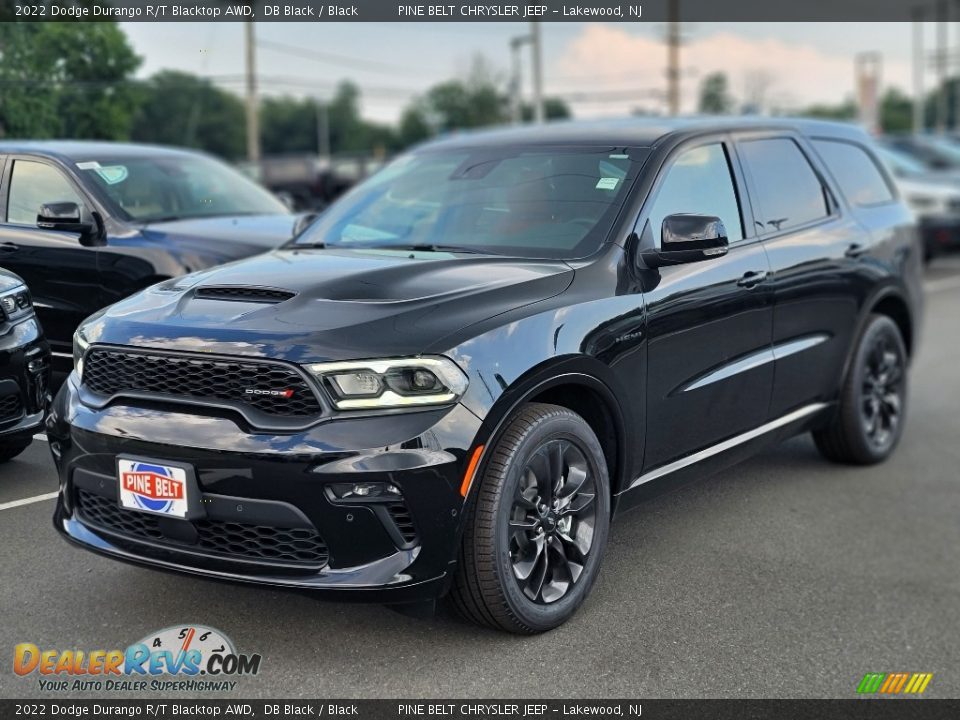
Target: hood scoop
240,293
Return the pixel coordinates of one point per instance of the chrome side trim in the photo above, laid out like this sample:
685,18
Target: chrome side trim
735,368
727,444
57,353
762,357
799,345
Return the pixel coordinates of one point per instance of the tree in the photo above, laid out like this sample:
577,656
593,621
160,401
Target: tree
847,110
715,96
66,79
182,109
553,109
475,101
289,125
896,111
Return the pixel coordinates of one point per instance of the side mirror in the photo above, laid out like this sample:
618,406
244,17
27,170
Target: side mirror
67,217
686,239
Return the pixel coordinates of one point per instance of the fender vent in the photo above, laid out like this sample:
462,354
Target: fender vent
244,294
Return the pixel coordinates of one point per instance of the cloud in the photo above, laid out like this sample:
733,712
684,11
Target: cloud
603,59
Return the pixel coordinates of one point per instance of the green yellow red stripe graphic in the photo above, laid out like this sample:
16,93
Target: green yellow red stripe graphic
895,683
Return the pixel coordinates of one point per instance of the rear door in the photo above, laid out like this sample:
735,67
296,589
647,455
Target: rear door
709,323
61,273
812,244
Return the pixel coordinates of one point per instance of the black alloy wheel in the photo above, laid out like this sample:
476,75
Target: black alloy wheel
552,521
537,523
869,419
882,391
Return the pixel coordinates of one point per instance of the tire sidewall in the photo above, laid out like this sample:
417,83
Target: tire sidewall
572,428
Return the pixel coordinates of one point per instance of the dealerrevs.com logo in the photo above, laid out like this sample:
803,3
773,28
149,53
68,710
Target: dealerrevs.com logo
191,658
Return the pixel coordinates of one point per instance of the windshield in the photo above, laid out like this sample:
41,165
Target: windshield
551,203
900,163
174,186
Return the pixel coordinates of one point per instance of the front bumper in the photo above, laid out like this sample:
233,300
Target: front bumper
24,379
268,513
940,233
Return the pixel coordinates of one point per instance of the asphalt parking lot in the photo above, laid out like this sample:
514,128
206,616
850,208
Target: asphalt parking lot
783,577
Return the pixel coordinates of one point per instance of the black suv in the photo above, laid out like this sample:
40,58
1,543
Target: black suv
24,368
88,223
461,371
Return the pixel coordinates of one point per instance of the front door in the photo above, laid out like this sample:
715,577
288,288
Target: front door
61,273
709,324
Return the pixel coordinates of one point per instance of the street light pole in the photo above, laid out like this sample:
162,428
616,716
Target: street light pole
673,58
538,114
516,82
918,71
253,117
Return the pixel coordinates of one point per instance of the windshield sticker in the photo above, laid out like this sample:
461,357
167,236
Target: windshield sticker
619,157
607,183
113,174
92,165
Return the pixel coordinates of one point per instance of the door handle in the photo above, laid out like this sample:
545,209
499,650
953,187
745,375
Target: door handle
9,247
855,250
752,278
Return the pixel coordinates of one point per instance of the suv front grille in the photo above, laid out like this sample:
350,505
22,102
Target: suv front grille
10,407
222,539
273,389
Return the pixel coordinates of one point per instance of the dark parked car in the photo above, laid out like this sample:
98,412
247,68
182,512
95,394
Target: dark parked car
462,370
24,368
86,224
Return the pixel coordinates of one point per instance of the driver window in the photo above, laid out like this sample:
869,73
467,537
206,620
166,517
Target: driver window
698,183
31,185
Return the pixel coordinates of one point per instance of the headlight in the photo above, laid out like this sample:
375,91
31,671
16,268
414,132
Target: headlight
407,382
80,345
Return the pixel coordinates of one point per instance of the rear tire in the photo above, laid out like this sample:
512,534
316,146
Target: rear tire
868,422
9,449
537,529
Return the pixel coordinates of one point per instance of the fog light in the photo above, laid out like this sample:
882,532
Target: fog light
363,491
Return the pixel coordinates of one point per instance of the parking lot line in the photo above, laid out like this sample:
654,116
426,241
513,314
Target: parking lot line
28,501
40,436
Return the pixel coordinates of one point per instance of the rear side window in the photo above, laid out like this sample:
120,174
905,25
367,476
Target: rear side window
788,191
699,183
855,171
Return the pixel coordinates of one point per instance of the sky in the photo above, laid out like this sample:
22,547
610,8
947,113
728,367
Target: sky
601,69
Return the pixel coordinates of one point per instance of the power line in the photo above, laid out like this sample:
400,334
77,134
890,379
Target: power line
354,63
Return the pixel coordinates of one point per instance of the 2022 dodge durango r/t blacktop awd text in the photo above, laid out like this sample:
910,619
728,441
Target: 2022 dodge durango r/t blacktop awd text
455,377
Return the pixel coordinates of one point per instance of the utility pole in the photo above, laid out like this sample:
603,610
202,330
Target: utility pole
919,68
942,107
516,81
253,116
537,65
673,57
323,130
956,83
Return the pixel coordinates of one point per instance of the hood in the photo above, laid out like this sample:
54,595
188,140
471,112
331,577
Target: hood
312,305
231,237
9,280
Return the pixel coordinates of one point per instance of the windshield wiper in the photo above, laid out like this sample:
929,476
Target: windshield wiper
434,247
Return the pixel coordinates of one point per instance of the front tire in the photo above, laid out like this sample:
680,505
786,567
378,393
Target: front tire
869,421
536,532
